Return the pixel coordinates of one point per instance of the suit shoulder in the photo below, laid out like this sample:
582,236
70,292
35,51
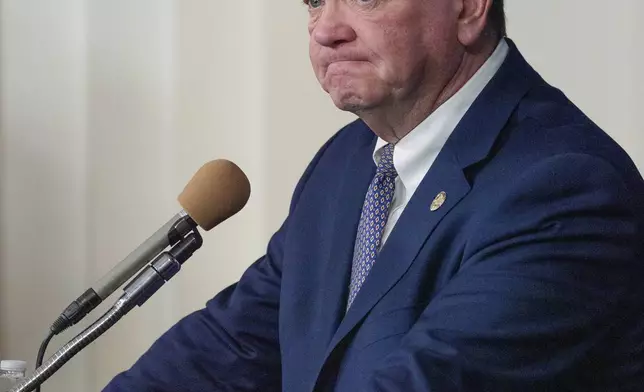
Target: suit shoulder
333,155
549,132
343,143
352,134
547,124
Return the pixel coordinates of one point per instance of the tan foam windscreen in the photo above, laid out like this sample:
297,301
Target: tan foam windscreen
215,193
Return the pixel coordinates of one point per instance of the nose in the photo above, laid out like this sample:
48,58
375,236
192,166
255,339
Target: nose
331,28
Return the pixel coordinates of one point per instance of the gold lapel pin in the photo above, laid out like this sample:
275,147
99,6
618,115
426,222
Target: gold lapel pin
438,201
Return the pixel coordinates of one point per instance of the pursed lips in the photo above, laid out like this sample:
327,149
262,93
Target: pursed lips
343,60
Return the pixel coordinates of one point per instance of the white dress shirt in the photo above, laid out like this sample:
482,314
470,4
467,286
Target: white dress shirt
415,153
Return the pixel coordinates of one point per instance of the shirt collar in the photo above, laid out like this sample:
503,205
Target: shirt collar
415,153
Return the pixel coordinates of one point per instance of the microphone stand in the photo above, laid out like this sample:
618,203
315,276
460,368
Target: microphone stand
137,292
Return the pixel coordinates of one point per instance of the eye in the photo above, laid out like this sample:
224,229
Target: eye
313,3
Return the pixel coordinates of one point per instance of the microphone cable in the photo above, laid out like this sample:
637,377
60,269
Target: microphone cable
41,352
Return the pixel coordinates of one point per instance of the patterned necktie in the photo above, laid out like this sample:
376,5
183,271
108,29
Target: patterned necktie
373,219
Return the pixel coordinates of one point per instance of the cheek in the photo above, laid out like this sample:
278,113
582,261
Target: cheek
396,41
396,52
314,56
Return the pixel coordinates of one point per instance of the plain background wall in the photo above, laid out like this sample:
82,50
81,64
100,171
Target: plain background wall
107,108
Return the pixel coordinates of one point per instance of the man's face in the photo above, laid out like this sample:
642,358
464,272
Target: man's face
372,53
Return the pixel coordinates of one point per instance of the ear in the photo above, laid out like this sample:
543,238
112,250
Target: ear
472,21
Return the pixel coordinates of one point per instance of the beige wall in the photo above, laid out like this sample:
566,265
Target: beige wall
106,109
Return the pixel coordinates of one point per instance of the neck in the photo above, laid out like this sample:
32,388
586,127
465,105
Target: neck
394,121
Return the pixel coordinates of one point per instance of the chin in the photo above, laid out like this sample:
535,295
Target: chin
351,101
352,107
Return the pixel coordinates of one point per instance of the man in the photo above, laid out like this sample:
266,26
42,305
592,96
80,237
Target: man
473,231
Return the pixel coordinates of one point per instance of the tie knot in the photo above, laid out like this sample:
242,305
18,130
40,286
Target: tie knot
386,163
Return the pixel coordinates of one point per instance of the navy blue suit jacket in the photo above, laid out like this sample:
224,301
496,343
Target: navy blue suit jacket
528,278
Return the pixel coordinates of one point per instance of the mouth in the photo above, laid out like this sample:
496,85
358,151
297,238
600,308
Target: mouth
345,62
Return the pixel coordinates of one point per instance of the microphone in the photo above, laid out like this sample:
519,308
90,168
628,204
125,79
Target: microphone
218,190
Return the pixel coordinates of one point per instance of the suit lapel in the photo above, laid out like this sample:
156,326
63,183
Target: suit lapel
414,226
470,142
358,174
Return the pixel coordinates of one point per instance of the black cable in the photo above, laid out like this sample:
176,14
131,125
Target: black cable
41,352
